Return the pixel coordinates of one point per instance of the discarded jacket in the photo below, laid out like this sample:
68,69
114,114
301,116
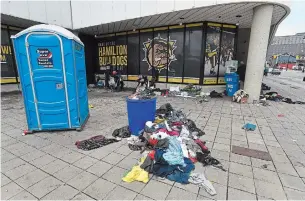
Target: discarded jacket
94,142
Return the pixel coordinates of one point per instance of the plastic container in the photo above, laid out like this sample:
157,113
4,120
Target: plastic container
232,83
139,112
52,70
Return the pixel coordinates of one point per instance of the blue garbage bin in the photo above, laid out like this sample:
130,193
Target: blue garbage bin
232,83
139,112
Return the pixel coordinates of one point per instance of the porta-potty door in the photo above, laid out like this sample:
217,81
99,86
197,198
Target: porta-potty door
48,76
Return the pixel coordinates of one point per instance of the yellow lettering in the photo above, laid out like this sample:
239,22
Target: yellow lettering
100,51
113,61
3,58
6,49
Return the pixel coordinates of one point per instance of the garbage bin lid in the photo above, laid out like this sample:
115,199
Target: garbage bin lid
51,28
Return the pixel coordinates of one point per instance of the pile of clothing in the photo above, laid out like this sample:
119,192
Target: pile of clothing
142,93
170,146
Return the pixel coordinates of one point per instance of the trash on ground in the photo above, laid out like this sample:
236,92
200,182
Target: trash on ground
274,96
170,146
91,106
123,132
240,96
249,127
280,115
94,142
251,153
265,87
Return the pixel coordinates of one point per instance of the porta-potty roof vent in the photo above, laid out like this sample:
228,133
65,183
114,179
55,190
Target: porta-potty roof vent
51,28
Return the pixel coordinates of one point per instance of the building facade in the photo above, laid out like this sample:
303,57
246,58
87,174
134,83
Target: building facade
185,41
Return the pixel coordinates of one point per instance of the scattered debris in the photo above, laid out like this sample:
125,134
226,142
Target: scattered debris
123,132
249,127
240,96
280,115
264,166
94,142
91,106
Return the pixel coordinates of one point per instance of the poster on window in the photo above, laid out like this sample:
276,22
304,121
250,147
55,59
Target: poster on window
226,50
112,55
212,52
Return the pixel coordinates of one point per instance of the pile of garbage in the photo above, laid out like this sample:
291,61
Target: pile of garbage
142,94
170,146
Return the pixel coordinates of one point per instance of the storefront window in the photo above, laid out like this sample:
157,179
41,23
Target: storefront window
175,54
192,62
7,61
133,56
146,51
106,53
212,53
160,53
226,50
121,53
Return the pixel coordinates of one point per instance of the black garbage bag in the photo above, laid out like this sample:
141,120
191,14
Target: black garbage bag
123,132
164,109
214,94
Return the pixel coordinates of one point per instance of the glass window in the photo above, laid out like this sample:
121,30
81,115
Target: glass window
175,54
226,50
7,60
192,62
212,53
133,56
146,51
121,54
160,53
106,53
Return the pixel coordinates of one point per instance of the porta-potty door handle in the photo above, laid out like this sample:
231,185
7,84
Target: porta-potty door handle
59,86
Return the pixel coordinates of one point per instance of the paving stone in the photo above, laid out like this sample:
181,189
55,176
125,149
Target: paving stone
20,171
31,178
10,190
6,156
134,186
54,166
32,155
16,162
72,157
99,168
221,147
240,159
82,196
223,140
123,150
115,175
300,170
121,193
24,195
127,163
188,187
67,173
161,188
220,154
280,158
292,182
266,175
100,153
63,192
220,189
4,180
241,183
163,180
256,146
82,180
294,194
85,162
44,187
269,190
240,169
179,194
99,189
216,175
261,163
285,168
113,158
235,194
42,161
142,197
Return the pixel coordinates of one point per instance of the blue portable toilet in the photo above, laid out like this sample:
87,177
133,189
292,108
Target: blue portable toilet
52,71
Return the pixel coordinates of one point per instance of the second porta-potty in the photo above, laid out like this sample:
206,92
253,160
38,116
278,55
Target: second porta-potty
52,71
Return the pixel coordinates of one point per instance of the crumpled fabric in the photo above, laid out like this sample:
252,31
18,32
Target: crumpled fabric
249,127
193,129
207,159
162,144
136,174
167,132
160,135
174,154
199,179
123,132
135,143
94,142
184,133
191,145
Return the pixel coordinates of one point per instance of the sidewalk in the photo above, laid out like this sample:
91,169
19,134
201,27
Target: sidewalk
48,166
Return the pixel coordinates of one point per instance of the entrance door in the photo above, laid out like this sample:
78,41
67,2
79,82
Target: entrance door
48,78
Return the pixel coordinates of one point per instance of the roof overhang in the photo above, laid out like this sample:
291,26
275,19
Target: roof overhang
240,13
